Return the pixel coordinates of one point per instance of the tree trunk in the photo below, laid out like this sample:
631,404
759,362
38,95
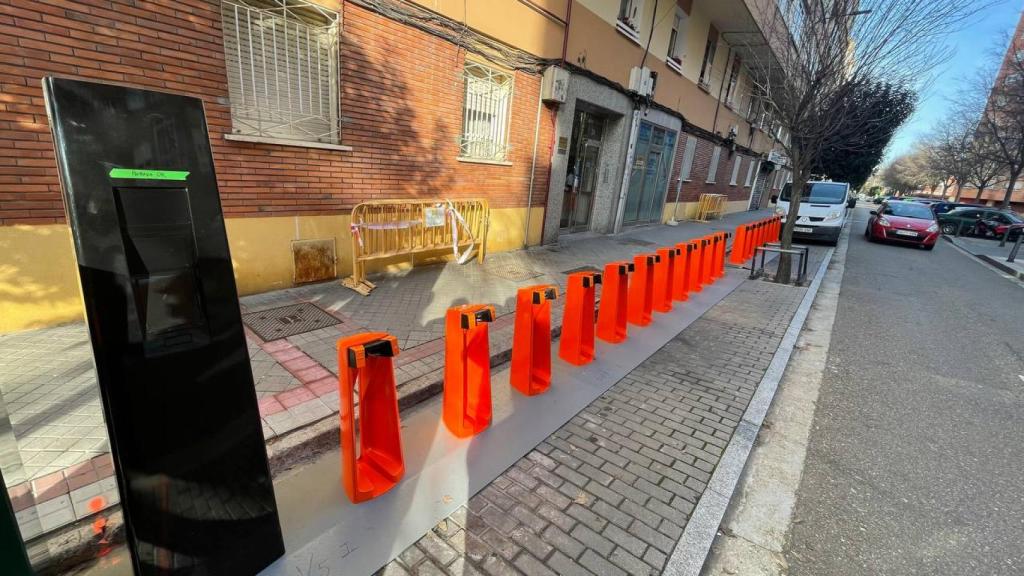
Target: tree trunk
959,191
796,193
1009,190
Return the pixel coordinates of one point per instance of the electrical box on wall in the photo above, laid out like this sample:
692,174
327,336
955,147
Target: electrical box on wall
642,80
554,86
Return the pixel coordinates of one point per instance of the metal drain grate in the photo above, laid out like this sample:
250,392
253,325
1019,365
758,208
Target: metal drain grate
277,323
582,269
511,272
635,242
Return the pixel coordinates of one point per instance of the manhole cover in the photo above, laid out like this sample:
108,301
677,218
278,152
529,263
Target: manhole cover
277,323
581,269
636,242
512,272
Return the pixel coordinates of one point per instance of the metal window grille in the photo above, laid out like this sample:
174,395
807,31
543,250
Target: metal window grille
282,63
713,169
735,170
688,153
486,112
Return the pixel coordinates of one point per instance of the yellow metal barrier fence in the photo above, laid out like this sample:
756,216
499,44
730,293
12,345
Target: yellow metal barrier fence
388,228
710,207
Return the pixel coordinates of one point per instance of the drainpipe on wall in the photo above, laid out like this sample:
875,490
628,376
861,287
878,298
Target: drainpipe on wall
627,172
533,168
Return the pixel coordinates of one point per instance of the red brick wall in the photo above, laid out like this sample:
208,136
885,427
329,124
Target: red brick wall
698,185
401,102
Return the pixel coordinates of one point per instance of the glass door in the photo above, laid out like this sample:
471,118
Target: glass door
652,166
581,180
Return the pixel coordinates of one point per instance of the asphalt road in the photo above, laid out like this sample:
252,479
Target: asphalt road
916,456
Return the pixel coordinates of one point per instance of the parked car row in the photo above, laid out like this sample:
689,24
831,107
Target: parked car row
973,220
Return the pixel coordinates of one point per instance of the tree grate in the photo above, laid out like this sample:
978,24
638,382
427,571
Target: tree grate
285,321
511,272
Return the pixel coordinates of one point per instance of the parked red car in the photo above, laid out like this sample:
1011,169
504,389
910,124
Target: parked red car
906,222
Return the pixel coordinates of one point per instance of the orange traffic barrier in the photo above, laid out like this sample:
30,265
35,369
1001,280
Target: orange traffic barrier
466,406
641,289
531,339
576,345
693,269
717,244
611,315
366,359
720,260
680,280
736,254
706,256
664,272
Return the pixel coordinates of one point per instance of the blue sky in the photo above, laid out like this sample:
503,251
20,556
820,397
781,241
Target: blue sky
972,45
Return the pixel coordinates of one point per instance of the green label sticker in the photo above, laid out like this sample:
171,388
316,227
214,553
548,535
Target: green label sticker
139,174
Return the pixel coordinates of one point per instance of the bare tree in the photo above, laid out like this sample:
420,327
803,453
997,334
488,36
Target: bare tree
958,148
819,53
909,172
1002,119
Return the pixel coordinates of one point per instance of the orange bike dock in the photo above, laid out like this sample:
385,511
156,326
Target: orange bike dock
531,342
467,369
576,344
612,312
641,290
324,529
372,464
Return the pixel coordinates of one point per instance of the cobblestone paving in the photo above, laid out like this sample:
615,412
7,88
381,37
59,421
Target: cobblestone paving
610,492
49,385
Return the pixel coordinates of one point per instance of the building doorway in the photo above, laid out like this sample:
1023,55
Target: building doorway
648,182
581,177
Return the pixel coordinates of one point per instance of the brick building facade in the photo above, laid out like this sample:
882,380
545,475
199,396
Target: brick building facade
401,119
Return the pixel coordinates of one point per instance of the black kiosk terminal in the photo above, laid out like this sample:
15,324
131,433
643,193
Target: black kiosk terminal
162,309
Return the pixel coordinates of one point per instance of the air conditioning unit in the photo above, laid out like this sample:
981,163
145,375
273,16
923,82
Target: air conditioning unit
642,81
554,85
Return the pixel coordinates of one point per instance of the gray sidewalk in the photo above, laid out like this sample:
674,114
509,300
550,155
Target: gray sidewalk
994,255
48,384
611,491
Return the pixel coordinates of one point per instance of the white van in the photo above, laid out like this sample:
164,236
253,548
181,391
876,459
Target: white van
823,210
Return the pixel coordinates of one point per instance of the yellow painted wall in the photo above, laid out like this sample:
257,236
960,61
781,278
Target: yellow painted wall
688,210
39,279
514,22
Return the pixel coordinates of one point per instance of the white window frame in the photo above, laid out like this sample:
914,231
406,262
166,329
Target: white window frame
677,41
628,19
750,174
733,82
708,64
735,170
486,113
271,49
713,167
688,153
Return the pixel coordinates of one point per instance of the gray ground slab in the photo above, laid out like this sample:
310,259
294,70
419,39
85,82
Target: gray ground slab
49,385
914,459
991,249
443,471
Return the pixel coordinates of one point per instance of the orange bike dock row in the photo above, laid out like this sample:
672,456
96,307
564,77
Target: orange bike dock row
323,527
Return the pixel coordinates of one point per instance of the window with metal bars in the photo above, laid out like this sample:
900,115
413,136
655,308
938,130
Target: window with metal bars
282,66
486,111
